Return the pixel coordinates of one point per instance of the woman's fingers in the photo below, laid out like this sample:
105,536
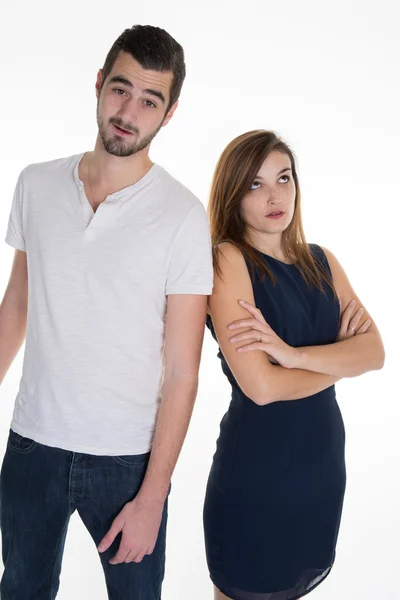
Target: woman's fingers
350,322
256,312
364,327
345,318
243,323
355,321
251,322
250,347
254,334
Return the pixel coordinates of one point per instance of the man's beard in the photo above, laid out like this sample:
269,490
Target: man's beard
117,145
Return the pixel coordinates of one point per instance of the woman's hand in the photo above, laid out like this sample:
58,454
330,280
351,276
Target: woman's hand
350,322
263,337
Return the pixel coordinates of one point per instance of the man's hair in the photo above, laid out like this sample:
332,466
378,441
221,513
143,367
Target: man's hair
154,49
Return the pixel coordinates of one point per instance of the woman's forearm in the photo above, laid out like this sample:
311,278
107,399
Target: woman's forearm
348,358
292,384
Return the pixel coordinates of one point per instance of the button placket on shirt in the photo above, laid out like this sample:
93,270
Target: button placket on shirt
92,219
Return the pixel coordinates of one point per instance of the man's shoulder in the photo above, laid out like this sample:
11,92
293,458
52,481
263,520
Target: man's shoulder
179,195
54,169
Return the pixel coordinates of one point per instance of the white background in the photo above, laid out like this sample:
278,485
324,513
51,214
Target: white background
325,77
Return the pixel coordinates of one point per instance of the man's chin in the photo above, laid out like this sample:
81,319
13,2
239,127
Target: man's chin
117,146
121,149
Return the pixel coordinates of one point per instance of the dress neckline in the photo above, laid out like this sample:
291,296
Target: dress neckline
268,256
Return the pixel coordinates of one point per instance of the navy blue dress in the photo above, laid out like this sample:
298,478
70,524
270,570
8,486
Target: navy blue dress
275,491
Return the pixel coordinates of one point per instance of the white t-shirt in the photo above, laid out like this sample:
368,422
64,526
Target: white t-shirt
93,362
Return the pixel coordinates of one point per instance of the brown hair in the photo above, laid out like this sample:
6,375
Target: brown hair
235,172
154,49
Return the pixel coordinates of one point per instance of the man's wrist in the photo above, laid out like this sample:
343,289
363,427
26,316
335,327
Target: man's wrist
151,498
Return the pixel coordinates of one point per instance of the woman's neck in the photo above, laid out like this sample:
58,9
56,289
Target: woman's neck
270,244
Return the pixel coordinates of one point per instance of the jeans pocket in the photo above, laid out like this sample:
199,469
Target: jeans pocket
20,444
133,461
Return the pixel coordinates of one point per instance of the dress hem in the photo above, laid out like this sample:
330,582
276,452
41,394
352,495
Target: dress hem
297,597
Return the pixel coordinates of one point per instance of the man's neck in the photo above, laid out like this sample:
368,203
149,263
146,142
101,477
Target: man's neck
110,173
103,174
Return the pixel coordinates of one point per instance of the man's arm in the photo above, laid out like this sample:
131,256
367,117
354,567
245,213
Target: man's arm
13,313
184,332
350,357
140,519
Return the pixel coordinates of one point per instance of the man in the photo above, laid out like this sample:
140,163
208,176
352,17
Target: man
116,257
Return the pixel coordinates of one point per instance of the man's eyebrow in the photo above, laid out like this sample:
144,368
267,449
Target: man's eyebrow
156,93
121,79
125,81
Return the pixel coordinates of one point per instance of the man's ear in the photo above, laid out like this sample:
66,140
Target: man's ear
99,81
170,113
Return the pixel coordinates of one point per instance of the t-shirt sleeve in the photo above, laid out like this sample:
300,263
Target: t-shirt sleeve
15,233
190,268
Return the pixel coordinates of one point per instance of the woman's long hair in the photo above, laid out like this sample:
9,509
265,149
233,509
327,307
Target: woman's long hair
236,170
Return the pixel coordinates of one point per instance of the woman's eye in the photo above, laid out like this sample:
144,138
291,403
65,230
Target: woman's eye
255,185
284,179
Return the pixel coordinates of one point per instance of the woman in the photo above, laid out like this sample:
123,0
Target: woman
275,491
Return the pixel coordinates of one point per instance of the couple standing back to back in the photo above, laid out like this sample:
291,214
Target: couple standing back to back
114,276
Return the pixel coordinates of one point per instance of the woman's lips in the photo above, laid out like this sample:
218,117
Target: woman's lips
276,214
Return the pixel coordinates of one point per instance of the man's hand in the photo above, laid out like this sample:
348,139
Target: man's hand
139,523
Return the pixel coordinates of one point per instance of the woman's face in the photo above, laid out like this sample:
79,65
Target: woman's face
269,205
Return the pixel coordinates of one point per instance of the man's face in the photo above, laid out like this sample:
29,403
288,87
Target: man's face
131,106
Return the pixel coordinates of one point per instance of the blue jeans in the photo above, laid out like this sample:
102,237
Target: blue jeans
41,487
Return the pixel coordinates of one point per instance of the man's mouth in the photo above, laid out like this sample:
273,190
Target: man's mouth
121,130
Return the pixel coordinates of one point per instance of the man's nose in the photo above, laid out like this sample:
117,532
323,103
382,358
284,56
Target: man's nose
128,111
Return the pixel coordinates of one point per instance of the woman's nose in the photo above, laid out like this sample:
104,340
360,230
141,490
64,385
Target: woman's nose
274,197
